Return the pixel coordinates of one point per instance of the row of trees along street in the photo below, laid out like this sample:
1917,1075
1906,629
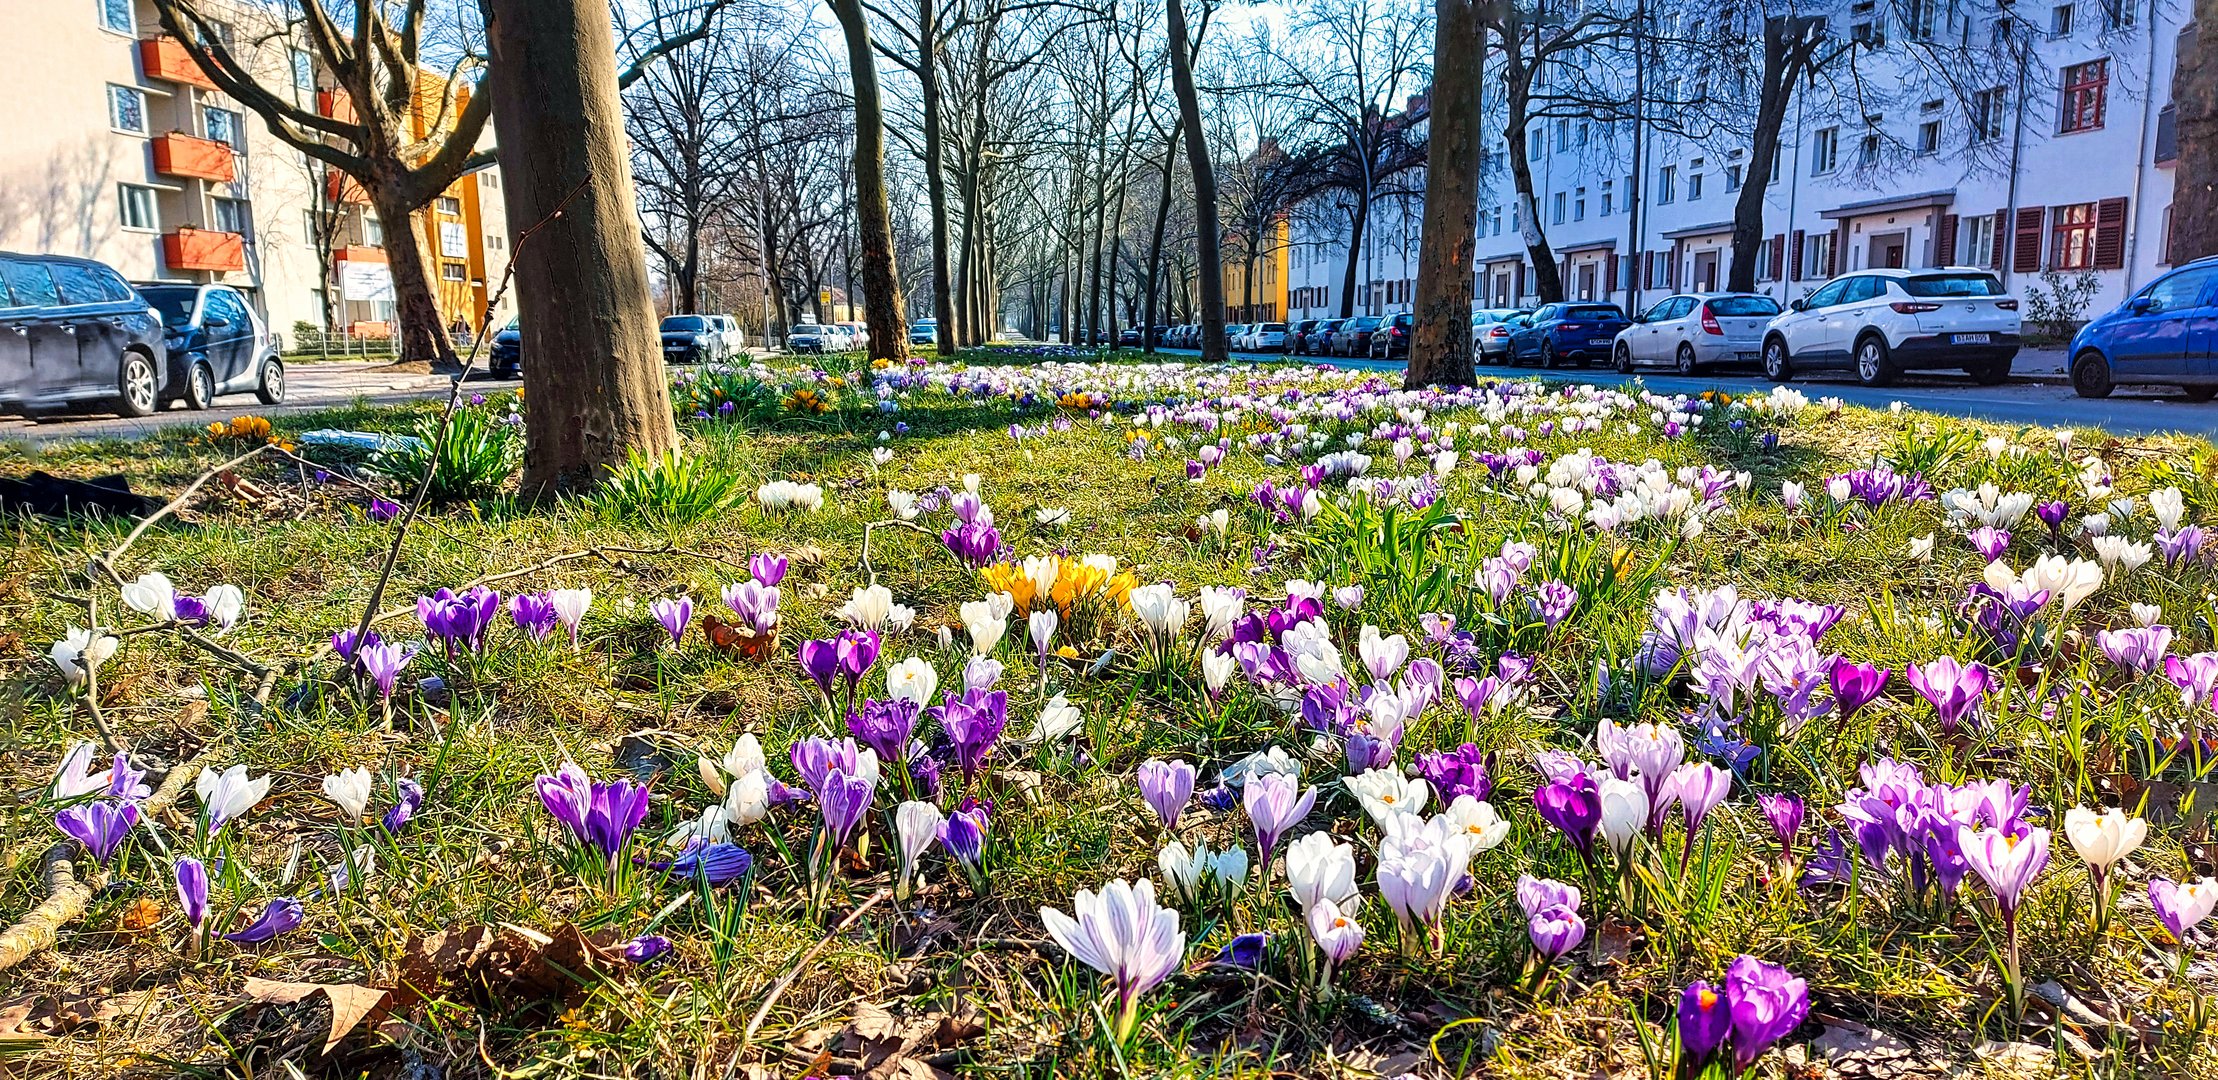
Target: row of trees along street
1071,167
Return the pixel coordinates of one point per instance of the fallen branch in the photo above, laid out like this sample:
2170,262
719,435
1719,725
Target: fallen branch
872,578
66,896
778,989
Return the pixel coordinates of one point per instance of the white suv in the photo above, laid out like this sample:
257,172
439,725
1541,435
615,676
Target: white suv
1879,323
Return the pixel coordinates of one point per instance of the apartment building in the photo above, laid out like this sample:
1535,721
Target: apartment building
2065,166
119,148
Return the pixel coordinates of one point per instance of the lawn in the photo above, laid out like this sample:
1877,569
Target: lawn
1534,729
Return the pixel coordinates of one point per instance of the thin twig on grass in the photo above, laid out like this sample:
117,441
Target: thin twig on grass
778,989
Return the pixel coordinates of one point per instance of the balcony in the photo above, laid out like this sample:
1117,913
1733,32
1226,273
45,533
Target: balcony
165,58
204,249
178,154
338,187
335,104
358,253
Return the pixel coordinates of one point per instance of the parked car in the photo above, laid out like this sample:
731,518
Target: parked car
1297,332
731,337
858,334
73,331
1880,323
2162,334
1353,336
505,358
1267,337
1557,334
1690,330
1317,340
1391,339
812,338
1160,333
924,332
1236,336
216,344
1490,333
691,339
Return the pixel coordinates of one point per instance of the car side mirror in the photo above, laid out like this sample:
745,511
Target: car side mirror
215,322
2139,305
1798,304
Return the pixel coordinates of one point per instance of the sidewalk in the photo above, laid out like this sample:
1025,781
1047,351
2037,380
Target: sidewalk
2045,366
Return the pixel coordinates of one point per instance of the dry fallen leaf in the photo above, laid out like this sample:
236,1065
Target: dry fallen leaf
138,916
16,1039
351,1003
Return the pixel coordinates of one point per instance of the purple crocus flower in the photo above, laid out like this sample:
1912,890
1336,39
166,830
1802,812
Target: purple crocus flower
924,777
820,661
2007,859
885,727
1464,770
283,916
964,832
600,816
534,614
1989,541
1704,1021
975,543
856,651
346,645
1275,802
2197,678
845,802
192,890
2139,649
768,569
125,782
100,826
1245,951
2181,546
2179,907
973,723
675,615
1556,930
1167,786
382,662
403,811
459,621
816,758
1766,1003
1954,689
383,510
1572,804
717,862
2052,513
641,949
1856,685
1552,601
1785,814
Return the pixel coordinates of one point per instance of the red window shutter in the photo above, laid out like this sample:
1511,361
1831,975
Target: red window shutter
2110,234
1944,241
2000,240
1778,255
1794,272
2025,247
1519,285
1609,283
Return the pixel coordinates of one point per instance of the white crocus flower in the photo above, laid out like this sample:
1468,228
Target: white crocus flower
1319,868
1385,793
902,503
2168,506
868,608
1058,718
912,680
152,594
984,626
349,789
80,652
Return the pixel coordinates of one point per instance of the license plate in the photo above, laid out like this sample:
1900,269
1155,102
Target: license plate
1969,339
1744,356
1598,341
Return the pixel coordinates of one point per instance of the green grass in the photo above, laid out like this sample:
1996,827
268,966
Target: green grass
484,852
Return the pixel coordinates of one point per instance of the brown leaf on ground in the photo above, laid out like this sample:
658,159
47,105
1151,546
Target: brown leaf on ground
503,962
86,1011
17,1039
883,1046
351,1003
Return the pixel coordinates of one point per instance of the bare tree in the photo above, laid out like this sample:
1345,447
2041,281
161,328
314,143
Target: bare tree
1440,342
889,333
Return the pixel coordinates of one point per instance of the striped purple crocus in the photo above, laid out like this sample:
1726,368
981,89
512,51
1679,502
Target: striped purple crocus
100,826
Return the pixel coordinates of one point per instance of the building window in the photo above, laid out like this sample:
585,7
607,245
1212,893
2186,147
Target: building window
225,126
137,203
1732,178
373,232
1563,134
1694,180
1583,126
1929,137
1555,209
2072,244
448,204
1818,252
1578,205
1778,154
1987,115
453,271
117,15
1667,184
2084,85
1825,149
304,71
454,240
1763,260
1606,196
1867,151
2117,14
127,109
490,179
1976,246
2060,21
1919,18
232,216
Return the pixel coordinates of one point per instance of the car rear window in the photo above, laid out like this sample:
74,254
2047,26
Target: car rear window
1274,328
1952,285
1744,305
1593,311
808,328
677,323
175,304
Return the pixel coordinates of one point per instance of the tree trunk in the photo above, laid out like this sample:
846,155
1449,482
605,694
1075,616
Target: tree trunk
935,180
1440,340
1784,54
423,333
889,336
1358,220
1207,238
1547,282
2195,97
595,389
1155,245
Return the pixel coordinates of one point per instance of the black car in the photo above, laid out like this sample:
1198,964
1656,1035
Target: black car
216,344
1391,339
690,339
73,331
1556,334
506,355
1353,336
1130,335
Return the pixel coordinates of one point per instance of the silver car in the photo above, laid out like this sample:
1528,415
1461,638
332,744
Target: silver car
1490,333
1688,331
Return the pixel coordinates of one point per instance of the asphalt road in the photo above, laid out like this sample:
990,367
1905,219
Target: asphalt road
2131,411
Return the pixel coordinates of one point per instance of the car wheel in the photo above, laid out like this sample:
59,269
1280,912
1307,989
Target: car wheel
1548,354
1873,366
1684,362
2091,375
1622,359
269,386
1778,366
2200,393
200,386
136,387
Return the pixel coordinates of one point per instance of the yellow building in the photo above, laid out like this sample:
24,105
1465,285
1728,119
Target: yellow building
1266,302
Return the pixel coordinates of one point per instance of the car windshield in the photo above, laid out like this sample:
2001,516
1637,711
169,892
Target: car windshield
1274,328
1744,305
678,324
808,328
1592,311
1952,285
176,305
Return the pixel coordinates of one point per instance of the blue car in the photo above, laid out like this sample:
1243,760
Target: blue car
506,358
1557,334
2165,334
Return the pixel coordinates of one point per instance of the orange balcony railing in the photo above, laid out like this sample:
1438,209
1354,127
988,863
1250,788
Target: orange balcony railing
341,188
358,253
178,154
335,104
165,58
204,249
